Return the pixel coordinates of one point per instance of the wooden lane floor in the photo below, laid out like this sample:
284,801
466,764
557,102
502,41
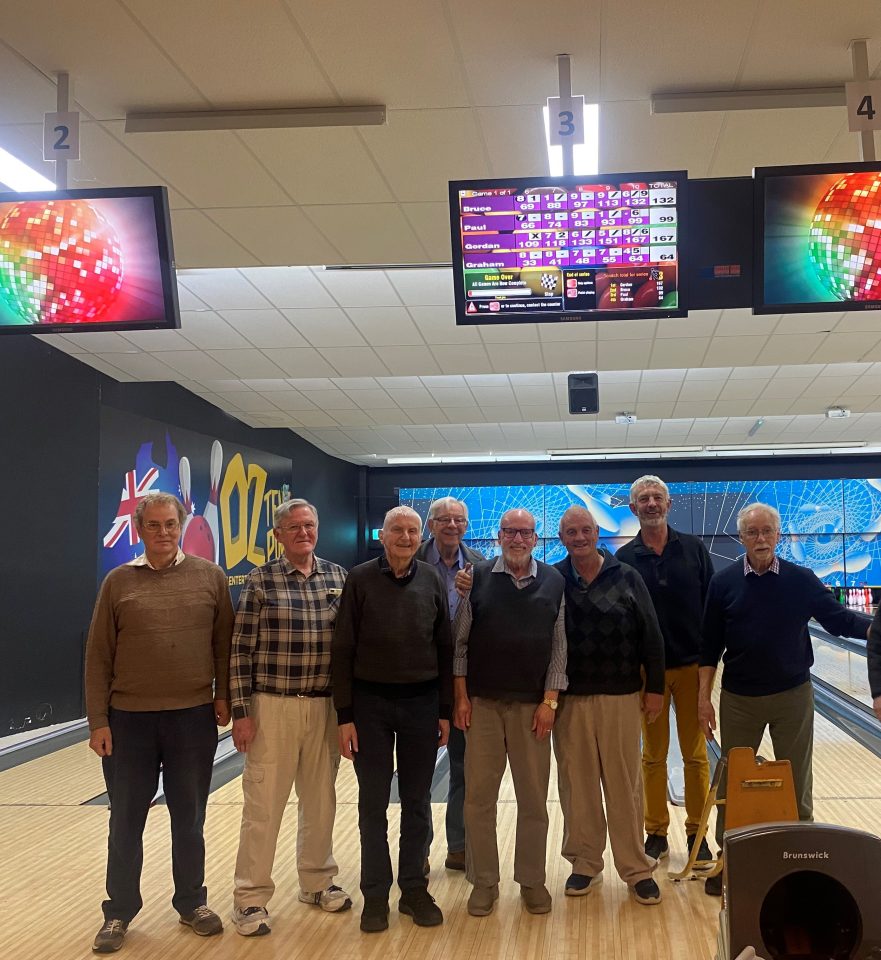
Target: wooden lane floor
52,877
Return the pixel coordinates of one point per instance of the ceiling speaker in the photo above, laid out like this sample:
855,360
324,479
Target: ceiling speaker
584,393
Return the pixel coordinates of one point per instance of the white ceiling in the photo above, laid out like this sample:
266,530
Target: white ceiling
369,364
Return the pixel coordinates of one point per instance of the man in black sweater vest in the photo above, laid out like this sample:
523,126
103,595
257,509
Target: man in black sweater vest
756,619
391,661
677,569
613,638
509,667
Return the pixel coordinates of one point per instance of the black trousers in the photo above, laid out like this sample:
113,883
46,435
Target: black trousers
183,743
407,727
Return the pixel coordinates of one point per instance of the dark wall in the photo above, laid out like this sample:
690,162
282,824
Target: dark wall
50,442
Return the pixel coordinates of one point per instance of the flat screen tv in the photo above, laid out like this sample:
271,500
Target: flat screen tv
75,260
817,238
542,249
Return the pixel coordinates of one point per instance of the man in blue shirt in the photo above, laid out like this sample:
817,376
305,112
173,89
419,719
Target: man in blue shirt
444,550
756,619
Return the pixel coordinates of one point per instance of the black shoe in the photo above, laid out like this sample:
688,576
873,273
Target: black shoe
656,846
109,938
703,852
419,904
580,885
713,886
646,891
374,915
455,860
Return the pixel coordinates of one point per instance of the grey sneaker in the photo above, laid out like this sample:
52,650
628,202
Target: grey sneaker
109,938
252,921
203,921
333,900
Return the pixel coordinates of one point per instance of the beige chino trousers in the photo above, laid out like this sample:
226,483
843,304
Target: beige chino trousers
295,745
596,742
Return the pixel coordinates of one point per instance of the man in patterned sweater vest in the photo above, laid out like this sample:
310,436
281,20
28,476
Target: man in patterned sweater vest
614,638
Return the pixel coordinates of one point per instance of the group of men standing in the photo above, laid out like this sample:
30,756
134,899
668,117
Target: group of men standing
430,645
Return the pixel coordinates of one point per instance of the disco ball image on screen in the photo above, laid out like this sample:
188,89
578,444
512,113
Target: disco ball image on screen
86,259
568,248
818,243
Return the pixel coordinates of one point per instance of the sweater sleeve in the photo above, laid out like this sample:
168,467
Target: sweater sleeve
100,654
342,649
651,641
221,636
833,616
873,655
713,626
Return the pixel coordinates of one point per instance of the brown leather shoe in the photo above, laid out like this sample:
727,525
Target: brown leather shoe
536,899
482,900
455,860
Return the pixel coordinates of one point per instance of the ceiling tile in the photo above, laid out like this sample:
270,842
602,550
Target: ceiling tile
264,328
687,352
325,327
141,366
276,236
207,330
423,288
438,325
223,289
196,365
368,232
383,326
355,361
568,355
247,363
408,360
300,361
456,359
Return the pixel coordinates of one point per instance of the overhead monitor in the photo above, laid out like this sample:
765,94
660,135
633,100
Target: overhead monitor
568,248
817,238
75,260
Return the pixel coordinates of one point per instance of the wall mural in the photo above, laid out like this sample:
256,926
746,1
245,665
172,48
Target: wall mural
831,526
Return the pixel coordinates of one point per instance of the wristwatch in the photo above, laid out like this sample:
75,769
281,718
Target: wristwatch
553,704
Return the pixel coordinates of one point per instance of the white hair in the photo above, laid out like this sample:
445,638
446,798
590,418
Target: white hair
649,480
444,503
283,509
751,508
396,512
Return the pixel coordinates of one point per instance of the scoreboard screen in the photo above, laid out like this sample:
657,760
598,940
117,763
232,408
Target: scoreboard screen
818,238
568,248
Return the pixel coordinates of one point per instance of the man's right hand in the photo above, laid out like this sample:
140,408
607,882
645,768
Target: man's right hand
462,713
706,717
464,580
243,733
101,741
348,740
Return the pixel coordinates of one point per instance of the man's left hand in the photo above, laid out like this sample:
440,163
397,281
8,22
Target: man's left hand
443,732
652,704
543,721
221,712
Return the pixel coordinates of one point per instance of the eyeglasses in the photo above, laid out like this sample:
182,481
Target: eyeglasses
511,533
154,526
444,521
309,526
766,532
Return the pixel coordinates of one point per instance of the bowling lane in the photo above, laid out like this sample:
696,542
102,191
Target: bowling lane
844,669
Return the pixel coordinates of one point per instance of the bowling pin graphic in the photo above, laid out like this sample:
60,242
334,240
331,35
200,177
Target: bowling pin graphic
184,474
211,508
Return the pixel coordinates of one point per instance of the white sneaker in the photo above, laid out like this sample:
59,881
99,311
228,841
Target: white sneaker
252,921
334,899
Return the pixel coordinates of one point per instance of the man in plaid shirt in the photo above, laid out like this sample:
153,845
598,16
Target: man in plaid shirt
283,718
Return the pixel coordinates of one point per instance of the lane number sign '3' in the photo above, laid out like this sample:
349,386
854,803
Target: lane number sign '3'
566,120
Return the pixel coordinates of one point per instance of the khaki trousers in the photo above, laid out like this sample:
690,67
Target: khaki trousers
295,745
501,732
680,686
596,742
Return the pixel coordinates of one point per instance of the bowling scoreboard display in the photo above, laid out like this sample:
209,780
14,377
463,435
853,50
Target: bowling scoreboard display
77,260
568,248
817,238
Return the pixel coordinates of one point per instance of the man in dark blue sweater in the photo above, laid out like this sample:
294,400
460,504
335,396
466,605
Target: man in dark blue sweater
391,662
756,620
612,637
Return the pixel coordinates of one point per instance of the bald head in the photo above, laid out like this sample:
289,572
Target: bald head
517,537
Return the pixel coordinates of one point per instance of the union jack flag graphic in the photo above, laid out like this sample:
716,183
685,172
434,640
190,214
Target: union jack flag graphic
125,514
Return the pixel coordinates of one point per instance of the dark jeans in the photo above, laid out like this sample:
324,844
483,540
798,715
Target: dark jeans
455,820
183,743
408,727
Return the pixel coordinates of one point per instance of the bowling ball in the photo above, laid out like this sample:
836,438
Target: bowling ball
845,237
60,261
198,540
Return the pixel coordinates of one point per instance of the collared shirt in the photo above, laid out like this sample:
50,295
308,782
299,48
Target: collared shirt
748,569
386,568
283,631
448,574
142,560
556,676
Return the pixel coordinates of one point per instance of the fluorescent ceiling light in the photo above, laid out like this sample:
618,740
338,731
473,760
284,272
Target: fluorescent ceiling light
193,120
585,156
785,447
18,176
629,451
468,458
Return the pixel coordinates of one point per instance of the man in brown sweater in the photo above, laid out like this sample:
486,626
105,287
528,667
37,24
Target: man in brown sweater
157,682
